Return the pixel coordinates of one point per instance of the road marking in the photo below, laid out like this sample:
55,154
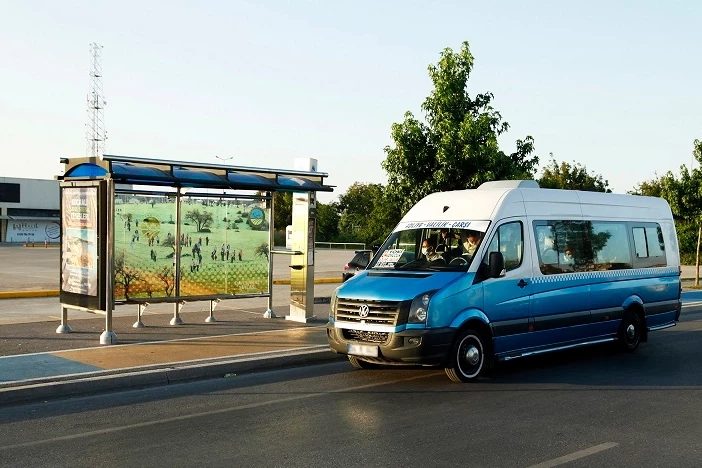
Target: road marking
185,417
576,455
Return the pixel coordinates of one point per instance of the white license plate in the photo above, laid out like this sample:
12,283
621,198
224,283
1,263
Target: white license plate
363,350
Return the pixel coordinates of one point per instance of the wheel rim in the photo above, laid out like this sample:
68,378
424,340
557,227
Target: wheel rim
470,356
631,333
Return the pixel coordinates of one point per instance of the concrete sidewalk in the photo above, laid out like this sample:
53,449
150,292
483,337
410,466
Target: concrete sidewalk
36,363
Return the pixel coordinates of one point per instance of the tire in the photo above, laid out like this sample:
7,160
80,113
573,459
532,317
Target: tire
467,359
630,331
360,364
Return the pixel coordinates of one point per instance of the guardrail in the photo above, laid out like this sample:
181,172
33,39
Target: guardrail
340,245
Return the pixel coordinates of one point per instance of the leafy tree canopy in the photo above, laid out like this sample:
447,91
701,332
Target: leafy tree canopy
572,177
456,146
327,221
202,219
282,217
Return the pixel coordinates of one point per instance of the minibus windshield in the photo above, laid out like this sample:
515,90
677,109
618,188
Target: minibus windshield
430,249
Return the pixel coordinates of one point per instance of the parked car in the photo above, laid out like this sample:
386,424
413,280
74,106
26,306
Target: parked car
358,262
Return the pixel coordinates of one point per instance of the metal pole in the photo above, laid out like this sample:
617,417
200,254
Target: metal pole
213,304
108,337
271,239
176,320
140,310
64,327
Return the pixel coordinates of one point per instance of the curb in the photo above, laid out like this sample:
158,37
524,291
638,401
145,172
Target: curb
25,294
174,373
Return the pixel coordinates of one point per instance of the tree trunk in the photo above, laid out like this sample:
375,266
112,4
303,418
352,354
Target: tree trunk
697,258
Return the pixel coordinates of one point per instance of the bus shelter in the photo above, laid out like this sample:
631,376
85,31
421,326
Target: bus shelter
141,231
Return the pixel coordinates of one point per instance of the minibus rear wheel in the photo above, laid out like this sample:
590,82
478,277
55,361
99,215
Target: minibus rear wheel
467,357
630,331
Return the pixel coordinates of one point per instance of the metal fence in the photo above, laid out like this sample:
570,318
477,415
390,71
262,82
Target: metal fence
340,245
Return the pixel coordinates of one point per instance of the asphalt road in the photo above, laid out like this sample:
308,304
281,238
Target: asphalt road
590,407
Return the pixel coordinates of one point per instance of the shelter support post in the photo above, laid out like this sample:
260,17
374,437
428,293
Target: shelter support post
64,327
108,337
271,239
176,320
140,310
213,304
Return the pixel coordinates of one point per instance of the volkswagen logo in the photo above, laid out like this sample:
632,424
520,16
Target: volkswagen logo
363,310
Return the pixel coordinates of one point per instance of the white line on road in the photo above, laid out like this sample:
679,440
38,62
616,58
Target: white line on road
576,455
186,417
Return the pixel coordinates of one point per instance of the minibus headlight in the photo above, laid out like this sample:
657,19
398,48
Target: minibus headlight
420,307
332,305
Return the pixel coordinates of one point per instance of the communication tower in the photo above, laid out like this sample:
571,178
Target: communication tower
95,132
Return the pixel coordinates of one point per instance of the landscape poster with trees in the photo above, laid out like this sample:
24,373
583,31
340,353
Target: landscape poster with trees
223,246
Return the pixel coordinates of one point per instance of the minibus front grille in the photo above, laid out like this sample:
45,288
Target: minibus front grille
366,336
389,313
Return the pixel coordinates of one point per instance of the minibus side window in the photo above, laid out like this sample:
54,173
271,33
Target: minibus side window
649,246
509,239
563,246
610,246
654,240
640,242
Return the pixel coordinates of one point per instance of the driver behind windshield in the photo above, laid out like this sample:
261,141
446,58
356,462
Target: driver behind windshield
469,241
429,251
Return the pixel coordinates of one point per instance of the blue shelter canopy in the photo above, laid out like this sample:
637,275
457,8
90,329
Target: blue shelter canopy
142,171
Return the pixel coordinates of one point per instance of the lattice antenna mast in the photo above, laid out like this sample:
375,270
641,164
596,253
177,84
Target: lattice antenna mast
95,132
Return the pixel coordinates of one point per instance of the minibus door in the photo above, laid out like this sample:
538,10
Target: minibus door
507,298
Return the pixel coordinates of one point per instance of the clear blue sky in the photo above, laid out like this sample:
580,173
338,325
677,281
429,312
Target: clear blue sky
616,86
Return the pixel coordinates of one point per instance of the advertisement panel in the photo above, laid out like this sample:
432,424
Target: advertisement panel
79,246
33,231
222,246
145,246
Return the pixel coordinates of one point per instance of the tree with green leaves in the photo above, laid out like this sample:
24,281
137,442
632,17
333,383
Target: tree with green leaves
456,146
262,250
202,219
684,194
572,177
366,215
327,221
282,217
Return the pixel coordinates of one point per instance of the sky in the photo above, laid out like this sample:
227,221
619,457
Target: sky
613,85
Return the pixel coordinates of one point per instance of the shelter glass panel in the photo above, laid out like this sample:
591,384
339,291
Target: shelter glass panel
224,246
145,245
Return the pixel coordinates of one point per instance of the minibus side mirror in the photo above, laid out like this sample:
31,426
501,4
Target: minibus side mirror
496,265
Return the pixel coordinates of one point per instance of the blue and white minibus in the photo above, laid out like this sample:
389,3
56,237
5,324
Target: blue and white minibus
508,270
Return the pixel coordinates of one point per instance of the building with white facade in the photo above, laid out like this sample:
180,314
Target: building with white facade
29,210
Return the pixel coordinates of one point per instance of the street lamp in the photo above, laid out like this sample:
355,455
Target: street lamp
224,159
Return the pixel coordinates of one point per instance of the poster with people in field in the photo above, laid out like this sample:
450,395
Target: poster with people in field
222,246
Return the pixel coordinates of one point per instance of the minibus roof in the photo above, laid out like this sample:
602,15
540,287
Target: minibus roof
488,203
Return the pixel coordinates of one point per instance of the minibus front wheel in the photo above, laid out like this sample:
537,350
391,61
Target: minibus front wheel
361,364
467,357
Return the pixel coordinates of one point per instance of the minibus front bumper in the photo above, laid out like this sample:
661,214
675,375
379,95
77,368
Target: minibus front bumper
410,346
